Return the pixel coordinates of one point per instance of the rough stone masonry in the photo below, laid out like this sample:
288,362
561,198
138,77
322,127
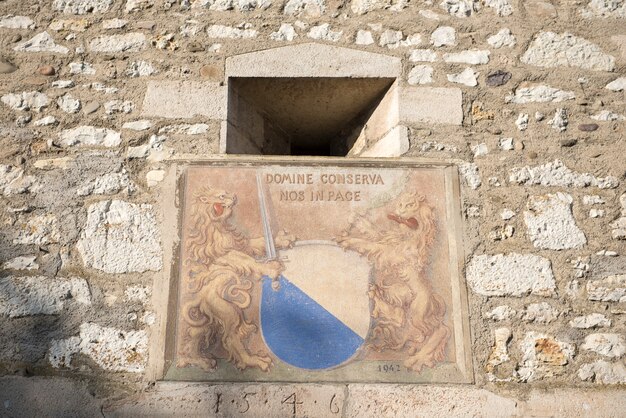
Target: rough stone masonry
527,97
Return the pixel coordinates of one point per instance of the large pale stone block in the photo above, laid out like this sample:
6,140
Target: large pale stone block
185,99
511,275
394,144
120,237
551,224
313,60
431,105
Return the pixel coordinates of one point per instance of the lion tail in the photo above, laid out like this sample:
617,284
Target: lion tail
236,289
192,316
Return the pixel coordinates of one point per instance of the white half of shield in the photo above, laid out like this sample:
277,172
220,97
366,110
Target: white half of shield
336,279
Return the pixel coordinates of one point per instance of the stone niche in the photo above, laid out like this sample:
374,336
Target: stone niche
312,99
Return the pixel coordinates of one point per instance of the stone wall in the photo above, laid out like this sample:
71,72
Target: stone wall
100,96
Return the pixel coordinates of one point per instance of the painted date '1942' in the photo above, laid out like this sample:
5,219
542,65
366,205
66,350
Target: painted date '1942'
388,368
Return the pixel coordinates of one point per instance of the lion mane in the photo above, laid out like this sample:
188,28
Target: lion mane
407,314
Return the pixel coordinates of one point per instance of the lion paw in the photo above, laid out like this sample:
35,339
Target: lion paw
262,362
273,269
206,364
284,240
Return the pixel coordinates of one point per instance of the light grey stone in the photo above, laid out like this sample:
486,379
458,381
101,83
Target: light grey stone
460,8
137,294
619,226
605,8
141,151
472,56
324,32
109,183
501,7
31,100
506,144
68,103
140,69
559,121
286,32
390,37
470,175
154,177
63,84
510,275
596,213
16,22
423,55
480,150
120,237
608,289
522,121
593,320
221,31
501,313
593,200
41,42
47,121
550,49
114,23
608,345
89,136
420,74
111,348
503,38
364,37
604,372
557,174
23,262
136,5
38,230
618,84
81,7
13,181
82,68
118,106
467,77
539,313
39,295
138,125
550,222
443,36
311,8
185,99
128,42
543,356
539,94
499,354
608,116
361,7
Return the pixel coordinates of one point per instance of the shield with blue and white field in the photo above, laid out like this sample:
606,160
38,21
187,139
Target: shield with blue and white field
304,324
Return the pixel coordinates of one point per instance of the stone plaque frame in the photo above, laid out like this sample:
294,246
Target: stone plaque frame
457,367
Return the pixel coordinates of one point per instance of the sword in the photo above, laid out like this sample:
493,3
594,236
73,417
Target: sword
270,247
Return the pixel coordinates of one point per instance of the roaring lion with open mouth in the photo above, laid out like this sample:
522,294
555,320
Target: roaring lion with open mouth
407,314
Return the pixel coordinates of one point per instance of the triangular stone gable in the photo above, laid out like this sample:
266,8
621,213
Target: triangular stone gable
313,60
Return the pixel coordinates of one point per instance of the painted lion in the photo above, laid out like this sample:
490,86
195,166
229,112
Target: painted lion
223,268
406,312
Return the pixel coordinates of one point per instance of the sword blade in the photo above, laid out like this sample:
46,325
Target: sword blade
270,247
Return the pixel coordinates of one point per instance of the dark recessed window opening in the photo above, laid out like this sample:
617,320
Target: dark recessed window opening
299,116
